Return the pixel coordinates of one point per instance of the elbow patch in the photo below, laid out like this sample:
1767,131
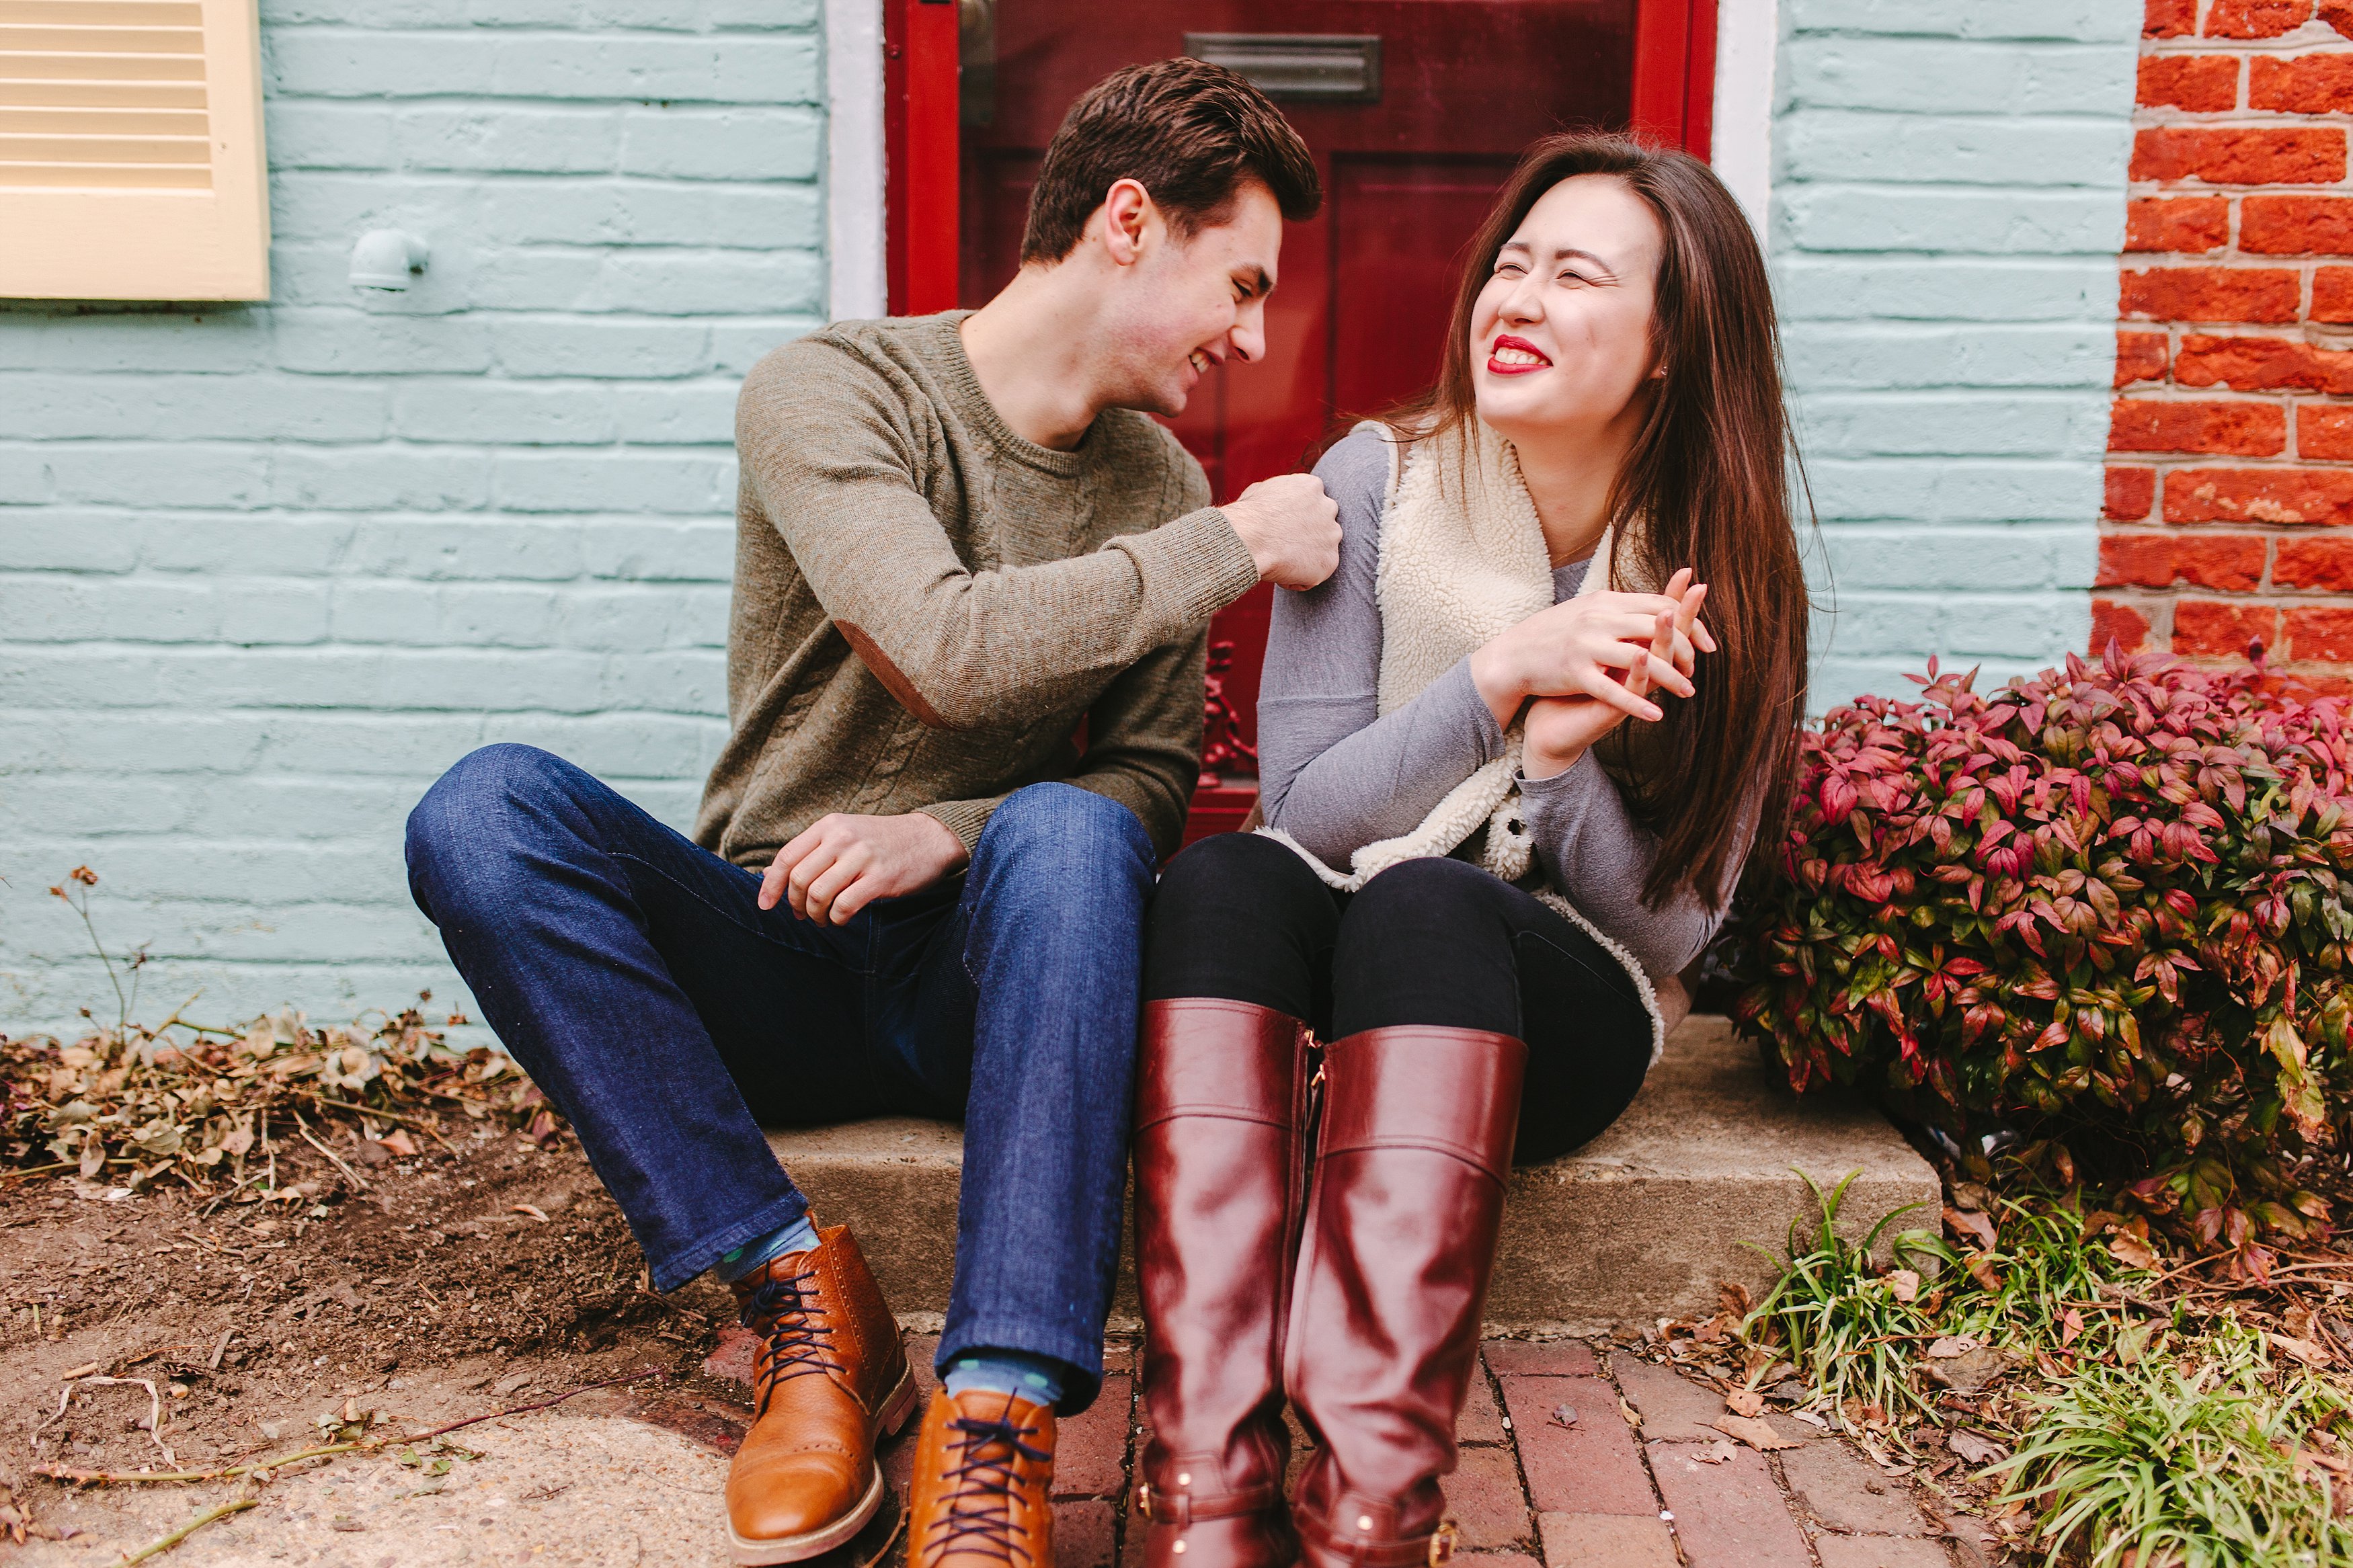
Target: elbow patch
893,679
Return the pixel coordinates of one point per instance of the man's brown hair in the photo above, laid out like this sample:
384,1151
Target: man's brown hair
1189,132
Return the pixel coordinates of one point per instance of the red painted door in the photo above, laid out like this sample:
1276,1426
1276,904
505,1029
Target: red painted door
1415,111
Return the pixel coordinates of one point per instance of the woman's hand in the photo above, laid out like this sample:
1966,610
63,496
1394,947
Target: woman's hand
1579,647
1560,730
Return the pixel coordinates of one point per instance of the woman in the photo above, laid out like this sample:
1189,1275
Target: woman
1489,852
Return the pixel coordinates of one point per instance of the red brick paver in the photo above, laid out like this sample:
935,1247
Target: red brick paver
1484,1496
1729,1514
1845,1491
1482,1418
1091,1449
1881,1551
1086,1534
1606,1541
1592,1465
1541,1358
1671,1408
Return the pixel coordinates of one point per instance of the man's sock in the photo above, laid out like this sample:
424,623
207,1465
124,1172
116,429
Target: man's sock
1036,1378
798,1236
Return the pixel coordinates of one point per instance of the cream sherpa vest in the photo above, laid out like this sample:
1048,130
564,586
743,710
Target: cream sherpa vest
1463,559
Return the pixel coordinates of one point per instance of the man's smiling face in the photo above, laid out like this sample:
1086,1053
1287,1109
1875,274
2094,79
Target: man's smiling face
1193,303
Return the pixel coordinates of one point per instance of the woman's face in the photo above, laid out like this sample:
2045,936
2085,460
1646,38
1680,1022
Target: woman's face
1560,339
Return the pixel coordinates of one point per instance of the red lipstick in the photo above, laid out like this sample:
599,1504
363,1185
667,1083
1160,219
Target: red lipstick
1507,340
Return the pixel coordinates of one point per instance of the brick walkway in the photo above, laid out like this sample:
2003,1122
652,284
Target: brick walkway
1554,1472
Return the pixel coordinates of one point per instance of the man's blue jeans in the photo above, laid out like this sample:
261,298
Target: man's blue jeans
634,975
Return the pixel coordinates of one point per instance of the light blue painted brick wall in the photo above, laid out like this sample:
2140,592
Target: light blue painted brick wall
266,571
1948,201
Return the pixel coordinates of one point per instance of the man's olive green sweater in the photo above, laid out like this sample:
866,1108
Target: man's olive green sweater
928,607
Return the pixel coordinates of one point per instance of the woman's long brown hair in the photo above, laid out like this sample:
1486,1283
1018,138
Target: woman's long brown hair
1710,474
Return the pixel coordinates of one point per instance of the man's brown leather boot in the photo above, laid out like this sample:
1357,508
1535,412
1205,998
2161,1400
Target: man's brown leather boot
1410,1161
829,1379
984,1471
1221,1178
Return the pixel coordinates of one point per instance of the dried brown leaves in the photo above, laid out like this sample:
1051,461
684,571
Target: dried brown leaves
211,1107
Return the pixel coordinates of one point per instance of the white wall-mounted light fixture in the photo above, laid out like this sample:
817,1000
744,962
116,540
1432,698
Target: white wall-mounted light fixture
385,258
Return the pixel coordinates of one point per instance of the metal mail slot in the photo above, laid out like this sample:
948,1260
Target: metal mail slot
1320,68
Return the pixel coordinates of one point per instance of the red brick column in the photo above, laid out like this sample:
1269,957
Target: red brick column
2231,445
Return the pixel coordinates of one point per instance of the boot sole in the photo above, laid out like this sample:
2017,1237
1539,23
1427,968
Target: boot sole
896,1408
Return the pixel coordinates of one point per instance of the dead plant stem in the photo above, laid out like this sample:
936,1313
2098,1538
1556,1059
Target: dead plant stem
137,1477
103,1477
637,1376
421,1123
186,1531
349,1174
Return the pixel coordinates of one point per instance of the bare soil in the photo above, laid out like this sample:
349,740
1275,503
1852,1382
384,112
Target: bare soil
489,1274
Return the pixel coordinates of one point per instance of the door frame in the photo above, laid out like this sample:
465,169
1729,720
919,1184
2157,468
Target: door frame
920,120
1675,73
1673,102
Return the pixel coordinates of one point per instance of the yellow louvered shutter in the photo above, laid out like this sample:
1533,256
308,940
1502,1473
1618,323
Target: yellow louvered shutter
131,158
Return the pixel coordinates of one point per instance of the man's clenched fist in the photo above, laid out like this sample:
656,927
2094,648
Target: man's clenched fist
841,864
1292,527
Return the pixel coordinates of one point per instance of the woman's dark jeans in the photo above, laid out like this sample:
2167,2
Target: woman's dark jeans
1430,942
634,975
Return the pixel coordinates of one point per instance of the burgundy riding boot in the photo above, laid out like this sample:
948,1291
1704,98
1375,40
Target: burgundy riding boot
1220,1172
1400,1241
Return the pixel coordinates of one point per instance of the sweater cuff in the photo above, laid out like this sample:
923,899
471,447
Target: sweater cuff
1565,787
1191,568
964,818
1459,691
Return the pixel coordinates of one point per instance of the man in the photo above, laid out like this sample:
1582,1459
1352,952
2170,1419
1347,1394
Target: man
965,672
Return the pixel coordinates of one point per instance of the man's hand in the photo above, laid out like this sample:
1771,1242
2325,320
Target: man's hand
841,864
1292,527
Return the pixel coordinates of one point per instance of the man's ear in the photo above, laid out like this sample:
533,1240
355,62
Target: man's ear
1126,215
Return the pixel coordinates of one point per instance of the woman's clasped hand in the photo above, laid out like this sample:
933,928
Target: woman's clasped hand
1590,663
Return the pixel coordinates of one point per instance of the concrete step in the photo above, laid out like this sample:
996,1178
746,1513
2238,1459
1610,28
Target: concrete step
1640,1224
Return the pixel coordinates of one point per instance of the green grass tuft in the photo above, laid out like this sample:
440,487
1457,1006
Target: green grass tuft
2155,1433
1838,1317
2193,1464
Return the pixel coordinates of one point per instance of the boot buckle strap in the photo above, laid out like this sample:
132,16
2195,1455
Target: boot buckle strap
1164,1508
1181,1508
1436,1551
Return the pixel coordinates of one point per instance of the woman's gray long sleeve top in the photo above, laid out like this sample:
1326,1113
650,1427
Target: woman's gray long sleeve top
1337,775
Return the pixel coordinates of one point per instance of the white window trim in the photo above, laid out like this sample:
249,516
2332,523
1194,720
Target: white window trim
856,166
1747,35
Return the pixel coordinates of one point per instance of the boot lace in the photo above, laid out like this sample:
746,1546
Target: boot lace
979,1517
780,1312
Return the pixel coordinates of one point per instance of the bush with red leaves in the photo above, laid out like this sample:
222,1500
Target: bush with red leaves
2106,906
